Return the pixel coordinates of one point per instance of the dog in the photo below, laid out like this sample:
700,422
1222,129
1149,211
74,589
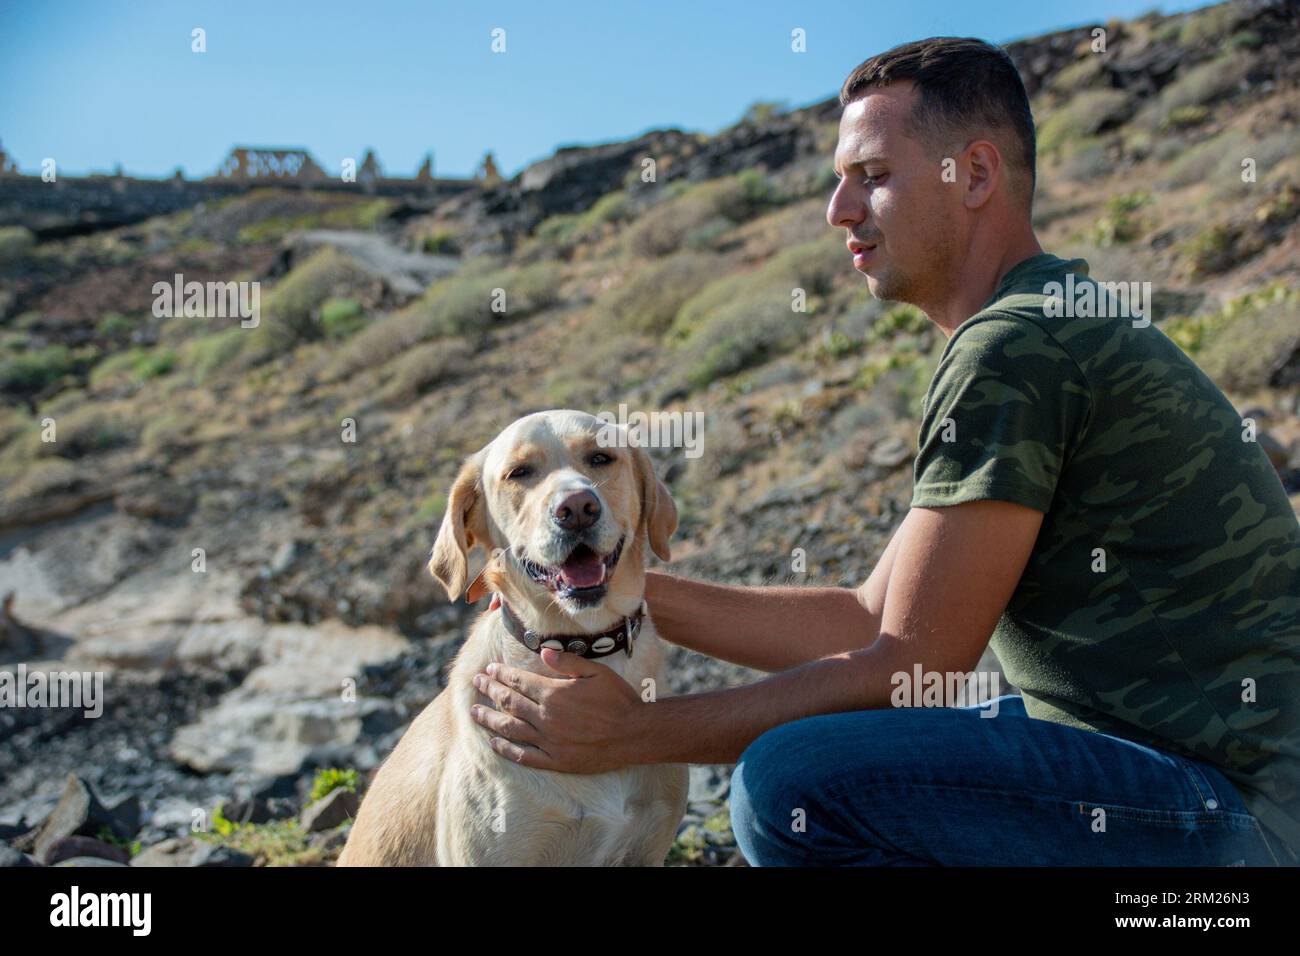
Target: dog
566,514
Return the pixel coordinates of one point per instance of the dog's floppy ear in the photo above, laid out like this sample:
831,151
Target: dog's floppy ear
658,512
463,526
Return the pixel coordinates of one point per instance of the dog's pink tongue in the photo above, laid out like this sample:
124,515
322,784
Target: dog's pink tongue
583,570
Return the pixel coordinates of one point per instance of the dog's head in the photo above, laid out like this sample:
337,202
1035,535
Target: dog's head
569,510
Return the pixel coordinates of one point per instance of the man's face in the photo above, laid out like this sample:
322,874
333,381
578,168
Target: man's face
902,220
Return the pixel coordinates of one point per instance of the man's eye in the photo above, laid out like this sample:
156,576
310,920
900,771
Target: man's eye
874,180
522,471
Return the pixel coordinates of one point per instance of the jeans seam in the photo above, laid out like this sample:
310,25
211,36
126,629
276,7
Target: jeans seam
1198,777
1235,819
1264,839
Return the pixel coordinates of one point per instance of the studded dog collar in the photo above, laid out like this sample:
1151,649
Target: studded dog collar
590,646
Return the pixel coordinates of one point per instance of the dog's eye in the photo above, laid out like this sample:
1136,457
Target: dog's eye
600,458
521,471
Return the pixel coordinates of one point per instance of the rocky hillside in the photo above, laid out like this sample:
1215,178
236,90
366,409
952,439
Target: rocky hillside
205,532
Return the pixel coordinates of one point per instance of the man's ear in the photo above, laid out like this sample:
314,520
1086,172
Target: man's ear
658,511
463,526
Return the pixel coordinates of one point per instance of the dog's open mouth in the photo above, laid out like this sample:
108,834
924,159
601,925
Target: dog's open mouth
582,575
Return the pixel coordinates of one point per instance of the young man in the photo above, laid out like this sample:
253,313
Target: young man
1083,497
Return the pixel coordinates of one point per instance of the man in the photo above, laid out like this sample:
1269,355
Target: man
1083,497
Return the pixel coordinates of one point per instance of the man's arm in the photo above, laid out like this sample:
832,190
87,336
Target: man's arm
768,628
949,581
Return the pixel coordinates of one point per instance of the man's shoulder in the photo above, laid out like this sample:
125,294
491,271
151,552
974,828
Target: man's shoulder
1008,342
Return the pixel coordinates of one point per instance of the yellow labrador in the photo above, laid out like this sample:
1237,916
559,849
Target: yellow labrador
566,516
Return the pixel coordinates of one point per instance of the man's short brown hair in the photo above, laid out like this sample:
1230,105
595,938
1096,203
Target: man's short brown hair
965,86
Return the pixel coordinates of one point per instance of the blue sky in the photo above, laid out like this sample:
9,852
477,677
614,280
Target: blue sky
100,82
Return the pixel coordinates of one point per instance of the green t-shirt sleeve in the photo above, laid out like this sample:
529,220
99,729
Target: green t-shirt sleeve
1004,412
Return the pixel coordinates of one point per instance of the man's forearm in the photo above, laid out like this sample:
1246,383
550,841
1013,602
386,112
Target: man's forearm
716,726
766,628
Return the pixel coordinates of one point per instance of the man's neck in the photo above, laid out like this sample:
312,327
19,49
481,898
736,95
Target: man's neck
978,278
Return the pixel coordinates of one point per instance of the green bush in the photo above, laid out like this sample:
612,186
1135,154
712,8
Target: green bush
114,370
30,372
329,780
649,300
12,423
471,305
749,331
15,241
1215,249
1120,222
458,305
902,319
421,368
86,430
687,208
1200,86
340,318
811,266
1087,114
1242,344
209,354
116,326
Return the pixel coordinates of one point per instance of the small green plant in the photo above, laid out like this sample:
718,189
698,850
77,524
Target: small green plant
440,243
15,241
899,320
1214,250
835,344
116,326
1120,221
341,317
106,835
1240,345
331,779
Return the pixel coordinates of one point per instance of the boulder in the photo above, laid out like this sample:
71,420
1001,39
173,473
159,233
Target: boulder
191,851
332,810
80,813
71,847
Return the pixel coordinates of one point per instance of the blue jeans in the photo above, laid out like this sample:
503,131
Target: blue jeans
947,787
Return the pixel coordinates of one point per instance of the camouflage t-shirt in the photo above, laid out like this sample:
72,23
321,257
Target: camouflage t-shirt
1161,602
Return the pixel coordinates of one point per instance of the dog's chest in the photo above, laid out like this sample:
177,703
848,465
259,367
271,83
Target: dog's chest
603,819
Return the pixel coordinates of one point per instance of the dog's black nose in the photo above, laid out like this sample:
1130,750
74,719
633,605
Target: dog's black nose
577,511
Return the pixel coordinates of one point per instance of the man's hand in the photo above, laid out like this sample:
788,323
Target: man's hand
580,723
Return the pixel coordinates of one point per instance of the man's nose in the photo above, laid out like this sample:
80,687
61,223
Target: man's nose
843,210
575,511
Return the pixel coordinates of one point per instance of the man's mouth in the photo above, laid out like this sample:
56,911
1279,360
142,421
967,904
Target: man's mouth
581,576
862,252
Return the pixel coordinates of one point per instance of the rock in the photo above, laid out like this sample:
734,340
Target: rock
89,861
79,813
329,840
338,807
890,453
271,737
290,709
18,642
191,851
13,831
155,497
254,810
9,857
71,847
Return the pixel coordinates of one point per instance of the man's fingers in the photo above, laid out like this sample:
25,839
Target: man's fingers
517,730
527,755
508,700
